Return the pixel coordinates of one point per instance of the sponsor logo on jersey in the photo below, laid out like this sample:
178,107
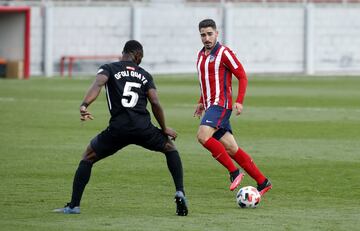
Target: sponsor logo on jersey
100,70
130,68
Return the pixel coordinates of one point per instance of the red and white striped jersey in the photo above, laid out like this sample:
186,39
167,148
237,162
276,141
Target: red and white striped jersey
215,71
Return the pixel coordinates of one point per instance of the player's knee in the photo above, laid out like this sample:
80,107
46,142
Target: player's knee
202,138
89,155
231,150
169,146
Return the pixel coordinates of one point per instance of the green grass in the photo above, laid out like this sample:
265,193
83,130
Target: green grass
303,132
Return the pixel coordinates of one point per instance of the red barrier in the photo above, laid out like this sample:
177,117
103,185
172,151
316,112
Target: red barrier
72,58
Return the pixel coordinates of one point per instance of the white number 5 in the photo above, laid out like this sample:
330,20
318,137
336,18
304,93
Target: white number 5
127,92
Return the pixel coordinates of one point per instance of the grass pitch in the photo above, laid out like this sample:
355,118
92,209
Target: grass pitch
303,132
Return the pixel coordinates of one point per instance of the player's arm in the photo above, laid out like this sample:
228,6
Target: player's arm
200,105
199,108
159,112
231,62
91,96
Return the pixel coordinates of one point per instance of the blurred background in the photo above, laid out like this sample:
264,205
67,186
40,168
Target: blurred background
63,37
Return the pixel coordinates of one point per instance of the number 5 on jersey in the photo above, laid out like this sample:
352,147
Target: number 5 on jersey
134,96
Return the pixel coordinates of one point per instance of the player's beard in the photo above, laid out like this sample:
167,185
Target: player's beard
209,45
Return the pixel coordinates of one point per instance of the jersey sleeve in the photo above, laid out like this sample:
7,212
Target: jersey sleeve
233,64
150,82
104,70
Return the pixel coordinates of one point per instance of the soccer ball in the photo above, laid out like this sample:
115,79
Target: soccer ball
248,197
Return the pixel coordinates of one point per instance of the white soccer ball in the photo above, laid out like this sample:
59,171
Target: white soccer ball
248,197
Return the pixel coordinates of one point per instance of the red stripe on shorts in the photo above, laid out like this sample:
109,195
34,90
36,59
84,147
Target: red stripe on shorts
221,117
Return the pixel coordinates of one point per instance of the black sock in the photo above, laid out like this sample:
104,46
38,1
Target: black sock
175,167
81,178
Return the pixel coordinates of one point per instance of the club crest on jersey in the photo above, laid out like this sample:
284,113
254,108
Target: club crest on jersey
130,68
211,58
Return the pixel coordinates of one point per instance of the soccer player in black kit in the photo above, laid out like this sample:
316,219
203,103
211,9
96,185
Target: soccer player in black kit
128,89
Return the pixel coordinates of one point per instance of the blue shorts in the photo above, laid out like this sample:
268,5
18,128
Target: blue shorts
218,118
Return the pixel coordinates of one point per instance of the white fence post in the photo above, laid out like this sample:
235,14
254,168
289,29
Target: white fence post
135,22
309,39
227,24
48,41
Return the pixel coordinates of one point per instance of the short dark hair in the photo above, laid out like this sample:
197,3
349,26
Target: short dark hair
207,23
132,46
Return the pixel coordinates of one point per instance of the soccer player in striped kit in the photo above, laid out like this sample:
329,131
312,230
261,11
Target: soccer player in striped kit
216,64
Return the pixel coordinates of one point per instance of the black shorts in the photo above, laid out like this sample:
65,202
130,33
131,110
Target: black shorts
112,140
220,133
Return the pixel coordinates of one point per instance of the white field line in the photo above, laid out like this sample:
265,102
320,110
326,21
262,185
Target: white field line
187,105
11,99
315,109
7,99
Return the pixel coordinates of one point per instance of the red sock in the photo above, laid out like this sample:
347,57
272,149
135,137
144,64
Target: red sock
219,153
245,161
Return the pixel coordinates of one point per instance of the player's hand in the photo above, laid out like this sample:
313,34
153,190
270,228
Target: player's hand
170,132
238,108
199,110
84,114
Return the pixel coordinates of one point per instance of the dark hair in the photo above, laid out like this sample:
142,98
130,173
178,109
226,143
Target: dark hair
132,46
207,23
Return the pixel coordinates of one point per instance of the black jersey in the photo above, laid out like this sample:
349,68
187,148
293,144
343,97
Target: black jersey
126,91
